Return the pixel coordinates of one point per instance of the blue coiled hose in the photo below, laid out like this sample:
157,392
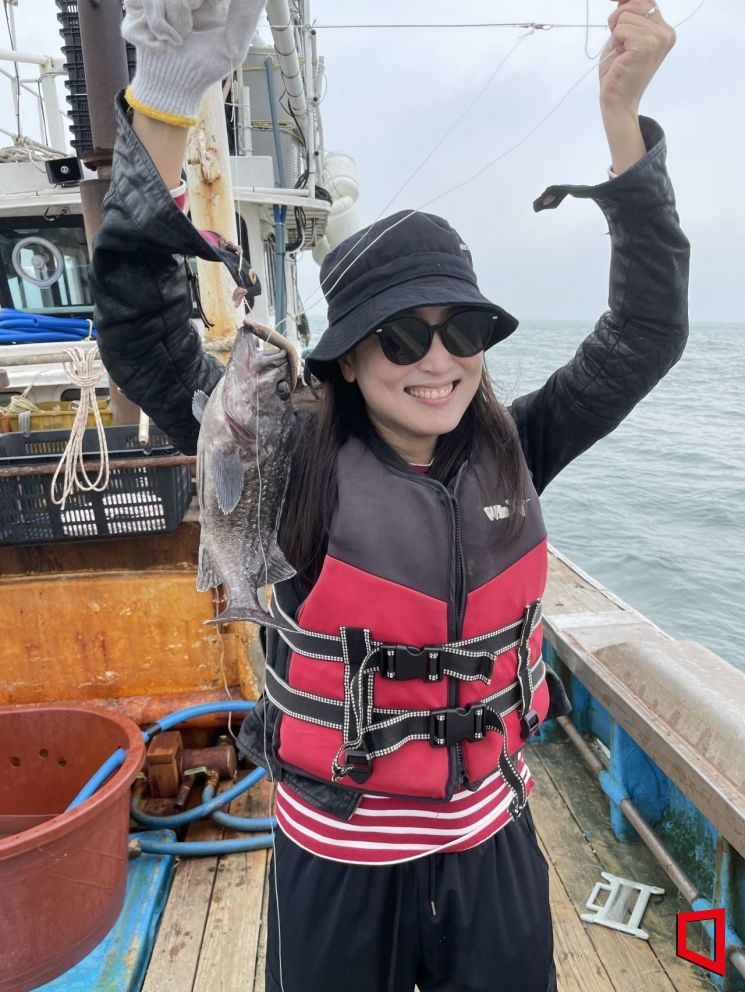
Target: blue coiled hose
209,807
18,327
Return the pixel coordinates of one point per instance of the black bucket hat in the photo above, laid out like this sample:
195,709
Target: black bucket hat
410,259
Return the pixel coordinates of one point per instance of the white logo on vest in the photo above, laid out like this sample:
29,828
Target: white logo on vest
501,510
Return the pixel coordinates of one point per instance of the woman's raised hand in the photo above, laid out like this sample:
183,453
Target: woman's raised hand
183,46
639,42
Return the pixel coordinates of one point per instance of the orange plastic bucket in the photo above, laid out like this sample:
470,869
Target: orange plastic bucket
62,875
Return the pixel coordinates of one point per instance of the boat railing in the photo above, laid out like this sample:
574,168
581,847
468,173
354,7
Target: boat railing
661,723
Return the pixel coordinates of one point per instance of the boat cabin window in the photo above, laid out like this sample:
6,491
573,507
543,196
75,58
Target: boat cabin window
44,266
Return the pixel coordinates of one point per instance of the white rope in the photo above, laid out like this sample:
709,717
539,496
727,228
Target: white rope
80,371
20,403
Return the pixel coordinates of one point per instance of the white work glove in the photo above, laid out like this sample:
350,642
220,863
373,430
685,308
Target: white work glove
183,46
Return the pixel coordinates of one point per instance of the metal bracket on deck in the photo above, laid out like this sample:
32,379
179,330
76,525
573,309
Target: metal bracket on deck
615,912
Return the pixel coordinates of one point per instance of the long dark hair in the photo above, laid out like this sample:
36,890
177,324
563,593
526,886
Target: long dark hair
338,412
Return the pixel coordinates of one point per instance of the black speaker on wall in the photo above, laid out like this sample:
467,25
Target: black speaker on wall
64,171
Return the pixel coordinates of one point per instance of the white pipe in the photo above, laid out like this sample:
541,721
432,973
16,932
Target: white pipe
312,98
283,33
318,76
10,56
56,123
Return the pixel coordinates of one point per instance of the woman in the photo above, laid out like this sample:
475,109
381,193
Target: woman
396,706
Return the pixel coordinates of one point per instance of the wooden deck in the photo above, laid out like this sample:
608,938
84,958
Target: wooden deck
212,935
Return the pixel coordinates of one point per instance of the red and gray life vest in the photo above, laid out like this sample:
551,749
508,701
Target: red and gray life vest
415,664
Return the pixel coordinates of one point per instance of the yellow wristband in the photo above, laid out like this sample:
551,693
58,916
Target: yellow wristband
157,115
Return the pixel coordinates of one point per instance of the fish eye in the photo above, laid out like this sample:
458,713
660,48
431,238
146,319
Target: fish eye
283,389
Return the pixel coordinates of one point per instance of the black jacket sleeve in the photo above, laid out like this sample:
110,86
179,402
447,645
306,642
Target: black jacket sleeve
641,336
143,304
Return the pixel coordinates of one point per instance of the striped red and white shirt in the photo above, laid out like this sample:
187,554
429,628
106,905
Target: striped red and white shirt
385,831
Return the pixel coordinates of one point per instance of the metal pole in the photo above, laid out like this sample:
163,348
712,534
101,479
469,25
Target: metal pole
668,863
280,298
212,208
312,100
105,63
55,122
150,461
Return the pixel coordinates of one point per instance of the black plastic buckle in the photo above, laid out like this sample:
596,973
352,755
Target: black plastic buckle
402,662
359,765
455,724
530,723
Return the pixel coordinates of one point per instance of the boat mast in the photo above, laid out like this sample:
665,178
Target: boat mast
211,202
105,65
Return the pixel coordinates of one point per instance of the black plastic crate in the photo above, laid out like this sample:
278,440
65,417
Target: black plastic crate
83,141
67,15
75,75
73,55
137,500
79,108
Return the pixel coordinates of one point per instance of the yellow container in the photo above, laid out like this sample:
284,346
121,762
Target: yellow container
53,417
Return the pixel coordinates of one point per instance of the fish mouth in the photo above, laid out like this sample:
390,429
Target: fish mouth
273,337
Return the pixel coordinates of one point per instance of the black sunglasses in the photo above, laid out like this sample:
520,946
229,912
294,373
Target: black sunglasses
407,339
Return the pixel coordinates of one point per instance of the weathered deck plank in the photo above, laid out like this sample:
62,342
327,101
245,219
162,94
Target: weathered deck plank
209,935
578,967
261,949
572,820
228,961
567,593
175,958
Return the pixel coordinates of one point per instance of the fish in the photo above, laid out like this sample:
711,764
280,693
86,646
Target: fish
243,466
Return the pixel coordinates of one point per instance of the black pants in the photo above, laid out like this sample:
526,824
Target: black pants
473,922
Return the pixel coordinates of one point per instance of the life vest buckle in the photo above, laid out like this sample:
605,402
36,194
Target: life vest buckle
403,662
358,765
529,723
450,726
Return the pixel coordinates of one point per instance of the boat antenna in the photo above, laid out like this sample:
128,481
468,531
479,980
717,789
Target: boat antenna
10,22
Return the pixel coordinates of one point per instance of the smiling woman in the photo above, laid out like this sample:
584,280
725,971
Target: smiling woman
403,660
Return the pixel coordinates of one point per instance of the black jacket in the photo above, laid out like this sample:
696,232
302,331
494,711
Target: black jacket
152,350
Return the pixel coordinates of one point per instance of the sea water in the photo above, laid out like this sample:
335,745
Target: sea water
655,511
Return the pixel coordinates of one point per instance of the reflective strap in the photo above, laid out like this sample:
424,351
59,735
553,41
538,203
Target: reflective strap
386,730
387,734
469,660
304,705
530,621
512,777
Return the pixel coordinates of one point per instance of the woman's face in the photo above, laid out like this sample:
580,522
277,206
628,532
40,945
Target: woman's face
412,405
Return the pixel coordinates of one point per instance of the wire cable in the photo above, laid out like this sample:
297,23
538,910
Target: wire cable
542,26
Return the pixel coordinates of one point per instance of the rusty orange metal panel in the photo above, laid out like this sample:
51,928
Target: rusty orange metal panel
112,635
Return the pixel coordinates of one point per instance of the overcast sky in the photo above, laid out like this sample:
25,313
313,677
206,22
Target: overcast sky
393,93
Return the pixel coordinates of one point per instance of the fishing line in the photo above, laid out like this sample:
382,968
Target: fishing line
465,182
587,34
315,302
406,182
456,122
438,144
267,765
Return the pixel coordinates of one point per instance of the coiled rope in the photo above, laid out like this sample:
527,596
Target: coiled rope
80,371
